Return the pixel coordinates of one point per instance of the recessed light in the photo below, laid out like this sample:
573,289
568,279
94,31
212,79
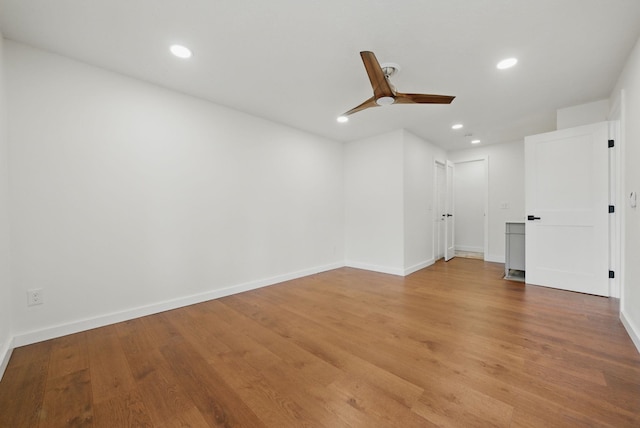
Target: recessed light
507,63
475,141
342,119
180,51
457,126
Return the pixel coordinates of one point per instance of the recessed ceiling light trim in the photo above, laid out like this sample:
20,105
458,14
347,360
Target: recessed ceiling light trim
457,126
342,119
475,141
507,63
181,51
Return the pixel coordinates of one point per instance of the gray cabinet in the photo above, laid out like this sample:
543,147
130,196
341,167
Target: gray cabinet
514,251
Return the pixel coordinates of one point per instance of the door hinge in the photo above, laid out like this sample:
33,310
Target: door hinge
612,209
611,143
612,274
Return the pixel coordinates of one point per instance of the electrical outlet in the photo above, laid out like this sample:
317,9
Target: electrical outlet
35,296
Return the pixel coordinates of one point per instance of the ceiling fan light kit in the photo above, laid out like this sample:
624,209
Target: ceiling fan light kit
385,101
384,93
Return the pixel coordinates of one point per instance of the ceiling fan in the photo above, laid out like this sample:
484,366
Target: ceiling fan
384,93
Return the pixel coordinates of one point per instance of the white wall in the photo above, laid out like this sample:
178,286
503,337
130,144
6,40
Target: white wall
374,194
5,290
129,198
389,202
583,114
469,195
419,211
506,186
629,83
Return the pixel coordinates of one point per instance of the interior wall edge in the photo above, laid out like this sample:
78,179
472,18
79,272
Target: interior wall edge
632,329
5,356
39,335
6,338
418,266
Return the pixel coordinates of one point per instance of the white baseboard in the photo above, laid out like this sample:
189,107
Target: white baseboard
417,267
375,268
494,258
632,330
5,355
390,270
469,249
29,337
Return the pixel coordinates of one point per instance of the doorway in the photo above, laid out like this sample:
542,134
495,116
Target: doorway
470,202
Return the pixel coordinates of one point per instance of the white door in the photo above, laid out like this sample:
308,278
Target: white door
449,250
441,209
566,198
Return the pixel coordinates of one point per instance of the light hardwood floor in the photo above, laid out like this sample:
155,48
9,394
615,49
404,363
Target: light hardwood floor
450,345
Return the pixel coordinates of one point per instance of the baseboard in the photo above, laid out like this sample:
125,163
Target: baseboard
632,330
417,267
469,249
375,268
27,338
390,270
493,258
5,356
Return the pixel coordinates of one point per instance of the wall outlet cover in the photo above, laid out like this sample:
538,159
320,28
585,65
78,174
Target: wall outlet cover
35,296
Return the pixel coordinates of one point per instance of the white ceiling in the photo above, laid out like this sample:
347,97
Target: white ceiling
297,61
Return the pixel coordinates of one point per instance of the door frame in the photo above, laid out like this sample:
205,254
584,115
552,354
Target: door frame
617,196
484,158
450,220
436,216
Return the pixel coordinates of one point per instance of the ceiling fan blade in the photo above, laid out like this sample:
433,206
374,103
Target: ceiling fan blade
371,102
379,82
422,99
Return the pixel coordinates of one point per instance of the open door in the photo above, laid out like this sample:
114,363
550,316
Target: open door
449,251
566,188
440,199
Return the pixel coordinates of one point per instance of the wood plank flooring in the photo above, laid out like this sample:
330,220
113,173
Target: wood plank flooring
452,345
